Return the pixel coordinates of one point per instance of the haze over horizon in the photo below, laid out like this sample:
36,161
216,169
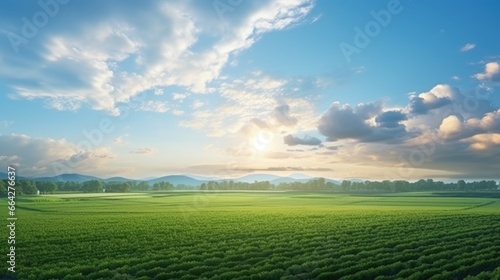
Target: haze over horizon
344,89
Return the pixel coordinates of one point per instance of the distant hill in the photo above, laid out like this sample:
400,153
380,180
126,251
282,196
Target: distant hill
189,180
289,180
256,177
118,179
304,180
299,176
203,178
3,176
68,177
176,180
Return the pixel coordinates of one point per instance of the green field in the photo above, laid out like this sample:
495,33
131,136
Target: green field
256,235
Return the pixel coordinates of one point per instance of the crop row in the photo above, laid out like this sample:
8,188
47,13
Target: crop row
298,244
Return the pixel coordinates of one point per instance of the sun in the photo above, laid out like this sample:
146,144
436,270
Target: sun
262,140
260,146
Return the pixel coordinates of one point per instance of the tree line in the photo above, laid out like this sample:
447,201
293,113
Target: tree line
319,184
46,187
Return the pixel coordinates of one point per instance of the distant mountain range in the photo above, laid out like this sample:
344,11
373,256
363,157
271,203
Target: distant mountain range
189,180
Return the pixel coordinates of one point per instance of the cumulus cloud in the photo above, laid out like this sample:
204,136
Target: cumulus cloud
291,140
340,122
450,126
456,127
437,97
487,123
282,115
484,141
468,47
453,133
364,122
390,119
491,72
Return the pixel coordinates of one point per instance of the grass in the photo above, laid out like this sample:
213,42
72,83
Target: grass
256,235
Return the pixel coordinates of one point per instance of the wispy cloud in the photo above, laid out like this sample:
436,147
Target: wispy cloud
5,123
154,106
251,103
468,47
179,96
111,57
144,150
306,140
121,139
359,70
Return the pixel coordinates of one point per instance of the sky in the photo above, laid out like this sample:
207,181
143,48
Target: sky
379,90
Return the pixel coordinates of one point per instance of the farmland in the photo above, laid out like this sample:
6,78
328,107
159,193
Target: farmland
257,235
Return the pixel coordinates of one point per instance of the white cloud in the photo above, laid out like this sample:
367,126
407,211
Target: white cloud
450,126
197,104
489,122
121,139
491,72
177,112
258,97
468,47
484,141
153,106
158,91
113,56
179,96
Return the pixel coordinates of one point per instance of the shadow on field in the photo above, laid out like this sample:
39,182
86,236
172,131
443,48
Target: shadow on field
481,205
468,194
32,209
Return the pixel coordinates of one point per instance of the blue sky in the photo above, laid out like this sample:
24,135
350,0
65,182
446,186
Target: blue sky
340,89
